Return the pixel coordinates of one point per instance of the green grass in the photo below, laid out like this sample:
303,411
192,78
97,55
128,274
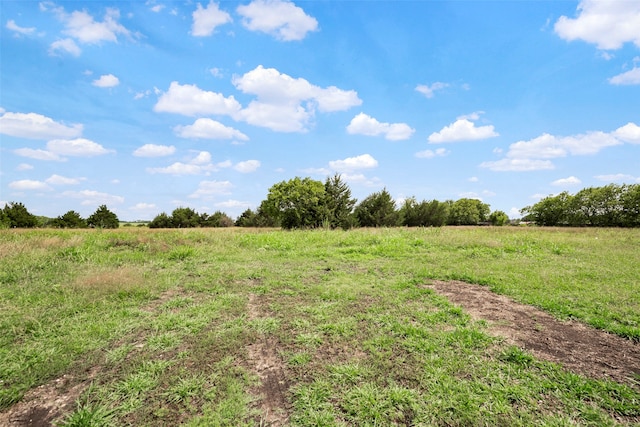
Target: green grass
165,319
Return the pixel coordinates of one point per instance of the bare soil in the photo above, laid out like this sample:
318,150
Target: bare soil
577,347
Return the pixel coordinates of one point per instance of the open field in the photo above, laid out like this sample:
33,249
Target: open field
264,327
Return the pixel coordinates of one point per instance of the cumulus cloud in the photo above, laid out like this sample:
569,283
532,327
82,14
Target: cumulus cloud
38,154
363,124
278,18
93,198
199,164
535,153
36,126
247,166
618,177
364,161
564,182
29,185
205,128
79,147
205,20
24,167
61,180
280,97
631,77
65,45
107,80
142,207
430,90
190,100
212,188
84,28
25,31
607,24
153,150
463,129
429,154
231,204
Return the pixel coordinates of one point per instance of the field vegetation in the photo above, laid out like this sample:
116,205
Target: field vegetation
235,326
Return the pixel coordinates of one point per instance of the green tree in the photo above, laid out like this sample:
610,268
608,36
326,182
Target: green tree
16,215
71,219
297,203
498,218
103,218
551,211
185,218
378,210
468,212
218,219
338,203
630,201
161,221
424,214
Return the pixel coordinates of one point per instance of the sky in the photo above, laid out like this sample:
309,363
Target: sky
147,106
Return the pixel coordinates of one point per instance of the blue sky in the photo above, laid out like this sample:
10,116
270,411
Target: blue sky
149,106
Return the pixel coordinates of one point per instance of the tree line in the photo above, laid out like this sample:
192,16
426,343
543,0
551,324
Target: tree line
302,203
609,206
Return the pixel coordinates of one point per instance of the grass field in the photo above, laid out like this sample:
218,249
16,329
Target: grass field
170,326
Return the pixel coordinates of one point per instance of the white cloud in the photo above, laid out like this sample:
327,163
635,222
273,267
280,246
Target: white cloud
205,128
39,154
281,19
631,77
61,180
153,150
211,188
202,158
563,182
81,26
190,100
629,133
429,154
618,177
364,161
36,126
24,167
231,204
93,198
79,147
429,90
517,165
363,124
107,80
360,179
28,184
247,166
25,31
463,129
205,20
279,100
65,45
143,207
157,8
473,179
178,168
607,24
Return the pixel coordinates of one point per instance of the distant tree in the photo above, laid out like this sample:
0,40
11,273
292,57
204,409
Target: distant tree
103,218
218,219
498,218
297,203
71,219
551,211
16,215
424,214
468,212
161,221
338,203
5,222
378,210
185,218
630,201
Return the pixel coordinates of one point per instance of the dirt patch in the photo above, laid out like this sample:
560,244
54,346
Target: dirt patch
264,360
577,347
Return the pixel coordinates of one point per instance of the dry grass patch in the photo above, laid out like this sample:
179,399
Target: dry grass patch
110,280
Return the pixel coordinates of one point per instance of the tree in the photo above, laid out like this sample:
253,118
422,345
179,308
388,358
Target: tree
218,219
185,218
16,215
630,200
71,219
338,203
297,203
161,221
103,218
468,212
498,218
424,214
377,210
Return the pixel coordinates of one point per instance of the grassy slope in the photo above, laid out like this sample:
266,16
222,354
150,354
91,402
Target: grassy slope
360,341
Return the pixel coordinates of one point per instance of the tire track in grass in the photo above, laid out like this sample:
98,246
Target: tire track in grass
577,347
266,363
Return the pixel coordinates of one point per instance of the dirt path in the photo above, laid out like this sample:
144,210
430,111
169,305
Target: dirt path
268,365
577,347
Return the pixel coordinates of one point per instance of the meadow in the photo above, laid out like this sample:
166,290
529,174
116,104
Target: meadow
247,327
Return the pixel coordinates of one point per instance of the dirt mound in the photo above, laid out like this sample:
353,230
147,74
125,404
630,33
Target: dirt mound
577,347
